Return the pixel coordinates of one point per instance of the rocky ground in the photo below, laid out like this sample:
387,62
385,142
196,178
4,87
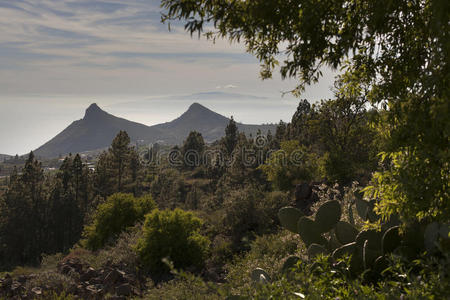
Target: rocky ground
75,278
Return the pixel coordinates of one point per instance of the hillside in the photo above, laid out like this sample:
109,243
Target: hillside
98,128
209,123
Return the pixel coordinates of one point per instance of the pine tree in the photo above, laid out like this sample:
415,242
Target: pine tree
117,169
23,217
192,149
231,137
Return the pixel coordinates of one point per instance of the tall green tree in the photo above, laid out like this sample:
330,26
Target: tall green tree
120,157
23,216
192,150
230,139
394,53
118,169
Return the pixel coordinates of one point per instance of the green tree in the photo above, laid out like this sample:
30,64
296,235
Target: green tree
168,188
120,156
23,224
343,135
118,169
119,212
299,128
192,150
230,139
394,53
290,165
174,235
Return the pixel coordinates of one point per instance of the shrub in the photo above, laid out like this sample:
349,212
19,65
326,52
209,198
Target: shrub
119,212
173,235
249,212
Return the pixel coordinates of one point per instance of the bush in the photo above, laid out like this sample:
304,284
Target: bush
119,212
173,235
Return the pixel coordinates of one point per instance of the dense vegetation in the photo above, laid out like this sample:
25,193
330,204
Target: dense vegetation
348,200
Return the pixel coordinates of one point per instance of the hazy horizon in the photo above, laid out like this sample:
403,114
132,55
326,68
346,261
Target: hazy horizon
57,57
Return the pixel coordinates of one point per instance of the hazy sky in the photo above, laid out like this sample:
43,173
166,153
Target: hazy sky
58,56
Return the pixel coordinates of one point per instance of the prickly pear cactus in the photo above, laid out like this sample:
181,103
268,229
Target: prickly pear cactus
372,236
328,215
361,207
345,232
347,249
369,255
309,232
290,262
391,240
260,276
316,249
289,217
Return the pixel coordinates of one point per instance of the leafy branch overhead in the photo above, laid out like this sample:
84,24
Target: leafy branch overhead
392,54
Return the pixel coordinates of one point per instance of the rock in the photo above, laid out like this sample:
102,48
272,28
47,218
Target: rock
94,289
22,279
90,273
113,277
17,288
124,290
96,280
37,291
66,269
70,265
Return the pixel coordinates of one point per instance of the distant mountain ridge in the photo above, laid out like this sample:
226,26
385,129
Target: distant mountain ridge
98,128
4,156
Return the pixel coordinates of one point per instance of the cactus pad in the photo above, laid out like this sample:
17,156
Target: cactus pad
347,249
260,276
290,262
369,255
328,215
391,240
361,208
345,232
372,236
309,232
289,217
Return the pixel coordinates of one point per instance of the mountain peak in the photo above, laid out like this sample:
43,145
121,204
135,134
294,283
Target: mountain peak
93,110
196,107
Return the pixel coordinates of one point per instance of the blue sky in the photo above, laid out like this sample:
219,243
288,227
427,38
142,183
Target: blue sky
57,56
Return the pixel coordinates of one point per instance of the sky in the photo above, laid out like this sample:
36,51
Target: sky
59,56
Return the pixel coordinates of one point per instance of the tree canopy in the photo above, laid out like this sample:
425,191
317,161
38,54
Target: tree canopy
392,54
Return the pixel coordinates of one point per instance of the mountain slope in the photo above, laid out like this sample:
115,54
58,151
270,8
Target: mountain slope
209,123
98,128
